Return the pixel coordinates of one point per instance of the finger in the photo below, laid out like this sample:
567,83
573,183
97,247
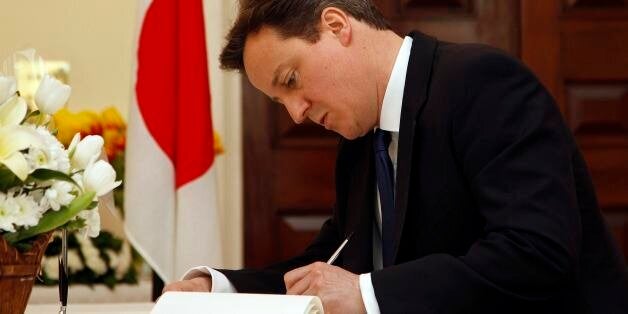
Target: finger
291,277
300,286
179,286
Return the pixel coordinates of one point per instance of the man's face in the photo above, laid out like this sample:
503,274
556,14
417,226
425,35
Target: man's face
327,81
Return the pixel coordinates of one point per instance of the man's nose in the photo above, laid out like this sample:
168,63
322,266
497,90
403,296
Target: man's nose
297,110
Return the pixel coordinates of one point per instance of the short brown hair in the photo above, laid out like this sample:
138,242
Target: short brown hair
290,18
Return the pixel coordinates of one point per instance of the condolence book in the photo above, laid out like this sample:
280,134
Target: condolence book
236,303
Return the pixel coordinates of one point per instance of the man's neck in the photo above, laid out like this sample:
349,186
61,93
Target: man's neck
383,49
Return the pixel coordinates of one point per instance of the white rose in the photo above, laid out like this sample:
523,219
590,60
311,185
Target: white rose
51,95
7,88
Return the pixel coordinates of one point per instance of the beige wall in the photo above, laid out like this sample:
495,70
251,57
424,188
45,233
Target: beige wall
97,38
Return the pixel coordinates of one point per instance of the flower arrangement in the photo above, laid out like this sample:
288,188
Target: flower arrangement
44,185
108,124
105,259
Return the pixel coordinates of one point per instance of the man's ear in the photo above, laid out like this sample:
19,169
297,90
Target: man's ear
337,22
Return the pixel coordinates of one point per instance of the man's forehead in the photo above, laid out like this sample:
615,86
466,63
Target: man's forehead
263,56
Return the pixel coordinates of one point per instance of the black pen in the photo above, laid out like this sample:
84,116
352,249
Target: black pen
338,250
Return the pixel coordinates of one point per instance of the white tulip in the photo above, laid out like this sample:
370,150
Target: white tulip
99,177
51,94
75,140
86,151
7,88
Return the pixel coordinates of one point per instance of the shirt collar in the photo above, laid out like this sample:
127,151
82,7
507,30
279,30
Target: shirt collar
393,97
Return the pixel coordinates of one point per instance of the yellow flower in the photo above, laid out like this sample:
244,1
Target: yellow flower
68,124
110,118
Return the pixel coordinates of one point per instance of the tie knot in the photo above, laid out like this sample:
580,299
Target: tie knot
382,140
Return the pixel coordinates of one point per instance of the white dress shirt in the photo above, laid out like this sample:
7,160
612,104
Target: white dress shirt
389,120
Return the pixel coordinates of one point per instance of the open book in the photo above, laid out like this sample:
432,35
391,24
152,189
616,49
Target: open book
236,303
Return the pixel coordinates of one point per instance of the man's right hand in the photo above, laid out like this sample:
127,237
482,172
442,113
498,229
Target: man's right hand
197,284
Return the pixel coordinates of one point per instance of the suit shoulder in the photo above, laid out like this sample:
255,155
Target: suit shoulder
477,61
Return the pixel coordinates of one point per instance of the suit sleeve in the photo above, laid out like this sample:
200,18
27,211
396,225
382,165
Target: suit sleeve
270,279
515,153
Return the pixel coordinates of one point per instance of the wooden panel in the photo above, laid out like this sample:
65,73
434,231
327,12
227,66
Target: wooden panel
296,232
598,115
598,111
618,223
595,50
304,179
258,207
540,44
594,3
454,4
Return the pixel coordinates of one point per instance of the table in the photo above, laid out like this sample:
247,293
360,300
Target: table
92,308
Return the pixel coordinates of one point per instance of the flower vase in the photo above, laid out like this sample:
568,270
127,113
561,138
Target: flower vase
18,271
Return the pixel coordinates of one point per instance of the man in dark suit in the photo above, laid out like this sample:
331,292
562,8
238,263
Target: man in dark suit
462,187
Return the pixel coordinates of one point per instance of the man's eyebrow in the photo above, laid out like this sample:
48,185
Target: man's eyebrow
276,75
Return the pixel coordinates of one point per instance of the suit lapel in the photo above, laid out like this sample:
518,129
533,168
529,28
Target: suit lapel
414,98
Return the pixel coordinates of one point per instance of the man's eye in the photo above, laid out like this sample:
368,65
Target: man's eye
292,80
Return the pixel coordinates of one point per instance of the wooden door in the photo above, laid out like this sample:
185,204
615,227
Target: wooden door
288,184
579,49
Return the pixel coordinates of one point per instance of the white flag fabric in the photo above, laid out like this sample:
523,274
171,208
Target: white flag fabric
171,215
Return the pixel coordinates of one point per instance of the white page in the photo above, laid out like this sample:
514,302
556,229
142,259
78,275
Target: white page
236,303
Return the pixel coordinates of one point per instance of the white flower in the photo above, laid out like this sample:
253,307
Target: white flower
72,147
50,155
13,139
92,222
51,267
8,212
92,256
100,177
51,94
124,261
74,262
29,212
58,194
7,88
113,258
86,151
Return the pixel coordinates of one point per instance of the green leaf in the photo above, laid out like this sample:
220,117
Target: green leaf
75,224
43,174
53,219
8,179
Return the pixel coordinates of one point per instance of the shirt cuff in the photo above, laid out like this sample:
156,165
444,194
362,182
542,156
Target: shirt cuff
220,283
368,294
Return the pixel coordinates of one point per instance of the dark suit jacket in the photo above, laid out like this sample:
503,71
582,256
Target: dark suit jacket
495,207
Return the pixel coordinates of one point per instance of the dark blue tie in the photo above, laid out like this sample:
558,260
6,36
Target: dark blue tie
386,185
